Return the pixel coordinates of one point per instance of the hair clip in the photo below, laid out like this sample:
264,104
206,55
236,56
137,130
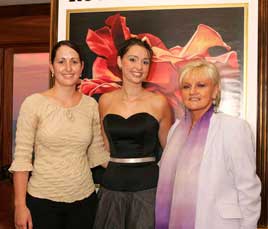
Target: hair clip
143,39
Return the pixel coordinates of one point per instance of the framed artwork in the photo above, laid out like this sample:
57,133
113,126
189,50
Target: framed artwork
173,26
223,32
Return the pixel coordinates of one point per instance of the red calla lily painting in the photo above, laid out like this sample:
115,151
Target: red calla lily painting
176,36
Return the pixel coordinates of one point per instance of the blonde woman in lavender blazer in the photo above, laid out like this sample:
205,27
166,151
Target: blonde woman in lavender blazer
227,190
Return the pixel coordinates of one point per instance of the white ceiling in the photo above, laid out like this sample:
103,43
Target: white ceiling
21,2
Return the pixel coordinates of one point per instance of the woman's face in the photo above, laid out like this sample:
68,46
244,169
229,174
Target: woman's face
198,92
135,64
67,67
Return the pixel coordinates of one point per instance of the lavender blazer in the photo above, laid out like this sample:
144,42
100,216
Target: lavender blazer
228,195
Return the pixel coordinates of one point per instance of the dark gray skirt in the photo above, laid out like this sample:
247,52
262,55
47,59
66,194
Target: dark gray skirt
125,210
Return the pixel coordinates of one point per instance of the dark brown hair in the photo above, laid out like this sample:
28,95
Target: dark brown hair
127,44
68,43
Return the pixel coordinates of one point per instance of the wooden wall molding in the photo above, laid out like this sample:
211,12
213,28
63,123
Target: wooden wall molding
262,160
53,30
21,25
7,107
24,10
54,23
1,101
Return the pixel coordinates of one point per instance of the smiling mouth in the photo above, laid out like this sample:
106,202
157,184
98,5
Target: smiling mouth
68,75
137,74
194,99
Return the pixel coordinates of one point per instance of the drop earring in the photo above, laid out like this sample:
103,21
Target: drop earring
215,107
216,102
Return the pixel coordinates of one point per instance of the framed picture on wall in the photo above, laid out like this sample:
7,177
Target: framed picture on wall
223,32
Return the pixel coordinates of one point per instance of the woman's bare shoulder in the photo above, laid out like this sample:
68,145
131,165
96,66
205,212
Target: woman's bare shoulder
108,97
158,99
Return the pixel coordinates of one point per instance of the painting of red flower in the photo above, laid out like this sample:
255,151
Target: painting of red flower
167,61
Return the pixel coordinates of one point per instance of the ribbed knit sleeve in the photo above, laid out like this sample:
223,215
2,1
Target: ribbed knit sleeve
97,154
25,136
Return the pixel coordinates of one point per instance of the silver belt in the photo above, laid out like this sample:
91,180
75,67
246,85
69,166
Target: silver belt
132,160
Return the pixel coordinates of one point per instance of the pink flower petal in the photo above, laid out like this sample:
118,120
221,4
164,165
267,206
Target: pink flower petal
118,23
100,42
100,69
91,87
152,40
163,74
229,58
204,38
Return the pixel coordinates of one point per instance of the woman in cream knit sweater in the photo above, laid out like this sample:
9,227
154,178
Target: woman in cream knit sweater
61,126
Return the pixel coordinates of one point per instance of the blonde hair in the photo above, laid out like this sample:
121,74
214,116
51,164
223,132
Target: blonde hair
197,67
200,66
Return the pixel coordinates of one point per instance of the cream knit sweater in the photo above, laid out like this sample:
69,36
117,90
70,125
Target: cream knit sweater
66,142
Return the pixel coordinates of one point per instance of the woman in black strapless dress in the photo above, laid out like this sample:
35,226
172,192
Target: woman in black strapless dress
134,122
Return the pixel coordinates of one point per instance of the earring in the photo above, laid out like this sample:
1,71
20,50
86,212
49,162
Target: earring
215,105
52,75
216,102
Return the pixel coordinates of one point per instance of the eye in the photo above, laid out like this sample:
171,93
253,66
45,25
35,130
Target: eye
60,61
185,86
132,59
201,85
75,61
146,62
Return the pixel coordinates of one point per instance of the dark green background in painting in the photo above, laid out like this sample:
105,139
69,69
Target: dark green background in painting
172,26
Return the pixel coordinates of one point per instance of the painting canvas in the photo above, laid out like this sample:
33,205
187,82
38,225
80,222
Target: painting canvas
205,33
219,33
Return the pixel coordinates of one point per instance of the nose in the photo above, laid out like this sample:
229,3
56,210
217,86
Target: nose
139,65
68,66
193,90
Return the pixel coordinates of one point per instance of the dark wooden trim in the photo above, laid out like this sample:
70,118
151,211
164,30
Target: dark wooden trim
1,103
7,106
53,28
54,22
7,103
31,48
262,160
27,45
25,24
24,10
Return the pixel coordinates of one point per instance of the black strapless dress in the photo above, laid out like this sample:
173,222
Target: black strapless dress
127,195
134,137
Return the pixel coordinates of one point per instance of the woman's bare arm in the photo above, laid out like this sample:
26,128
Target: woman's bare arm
23,217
